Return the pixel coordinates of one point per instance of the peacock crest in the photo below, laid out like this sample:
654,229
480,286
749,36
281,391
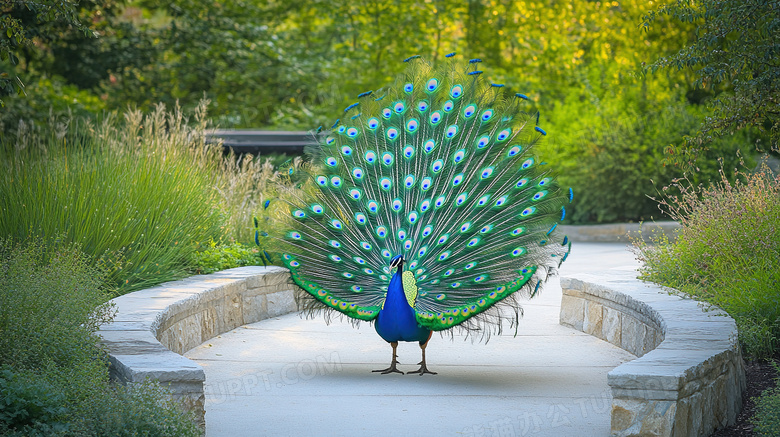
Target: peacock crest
440,169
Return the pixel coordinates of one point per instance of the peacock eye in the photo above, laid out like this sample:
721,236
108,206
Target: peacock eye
392,133
456,91
451,131
459,155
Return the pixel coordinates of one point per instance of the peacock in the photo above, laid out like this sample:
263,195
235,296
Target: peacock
427,209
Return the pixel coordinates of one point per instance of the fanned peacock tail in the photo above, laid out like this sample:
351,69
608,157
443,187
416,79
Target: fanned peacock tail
439,168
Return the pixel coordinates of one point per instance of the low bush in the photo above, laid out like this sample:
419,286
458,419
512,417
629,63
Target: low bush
30,407
214,258
53,372
727,253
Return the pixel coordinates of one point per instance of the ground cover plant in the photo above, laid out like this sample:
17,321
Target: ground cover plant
766,421
53,372
727,253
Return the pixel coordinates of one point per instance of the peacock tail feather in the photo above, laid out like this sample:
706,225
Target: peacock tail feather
439,167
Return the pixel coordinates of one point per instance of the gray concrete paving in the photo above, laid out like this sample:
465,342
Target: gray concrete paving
290,376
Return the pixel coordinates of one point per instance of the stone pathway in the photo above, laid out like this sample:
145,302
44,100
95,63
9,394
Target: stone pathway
289,376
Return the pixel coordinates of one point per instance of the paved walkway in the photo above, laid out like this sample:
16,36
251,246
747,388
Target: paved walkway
289,376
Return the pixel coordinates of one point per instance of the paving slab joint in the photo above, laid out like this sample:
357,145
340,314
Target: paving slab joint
153,327
689,375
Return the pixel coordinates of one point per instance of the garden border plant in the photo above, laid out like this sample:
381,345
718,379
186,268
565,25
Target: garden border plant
53,372
143,194
727,253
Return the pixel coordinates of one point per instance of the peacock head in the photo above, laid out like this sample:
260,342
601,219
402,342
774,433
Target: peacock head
397,261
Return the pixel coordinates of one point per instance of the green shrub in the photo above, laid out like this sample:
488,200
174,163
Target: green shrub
47,98
214,258
29,407
53,372
613,148
766,419
139,410
51,301
727,254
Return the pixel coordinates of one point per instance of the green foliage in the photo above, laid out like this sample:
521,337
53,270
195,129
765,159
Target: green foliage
51,300
611,142
214,258
26,22
142,194
136,194
727,254
53,100
144,409
735,46
766,419
246,183
53,373
30,407
621,157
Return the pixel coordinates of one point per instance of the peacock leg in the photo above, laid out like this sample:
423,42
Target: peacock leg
423,368
392,368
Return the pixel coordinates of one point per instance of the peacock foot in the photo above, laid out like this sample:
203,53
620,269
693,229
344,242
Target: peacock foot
422,370
391,369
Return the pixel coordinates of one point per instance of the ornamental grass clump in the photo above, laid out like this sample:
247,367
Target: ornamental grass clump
727,253
143,194
137,193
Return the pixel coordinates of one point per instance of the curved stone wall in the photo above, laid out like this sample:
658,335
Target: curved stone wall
153,327
689,376
687,380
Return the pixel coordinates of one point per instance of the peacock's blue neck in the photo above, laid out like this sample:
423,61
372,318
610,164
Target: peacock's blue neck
396,298
396,320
